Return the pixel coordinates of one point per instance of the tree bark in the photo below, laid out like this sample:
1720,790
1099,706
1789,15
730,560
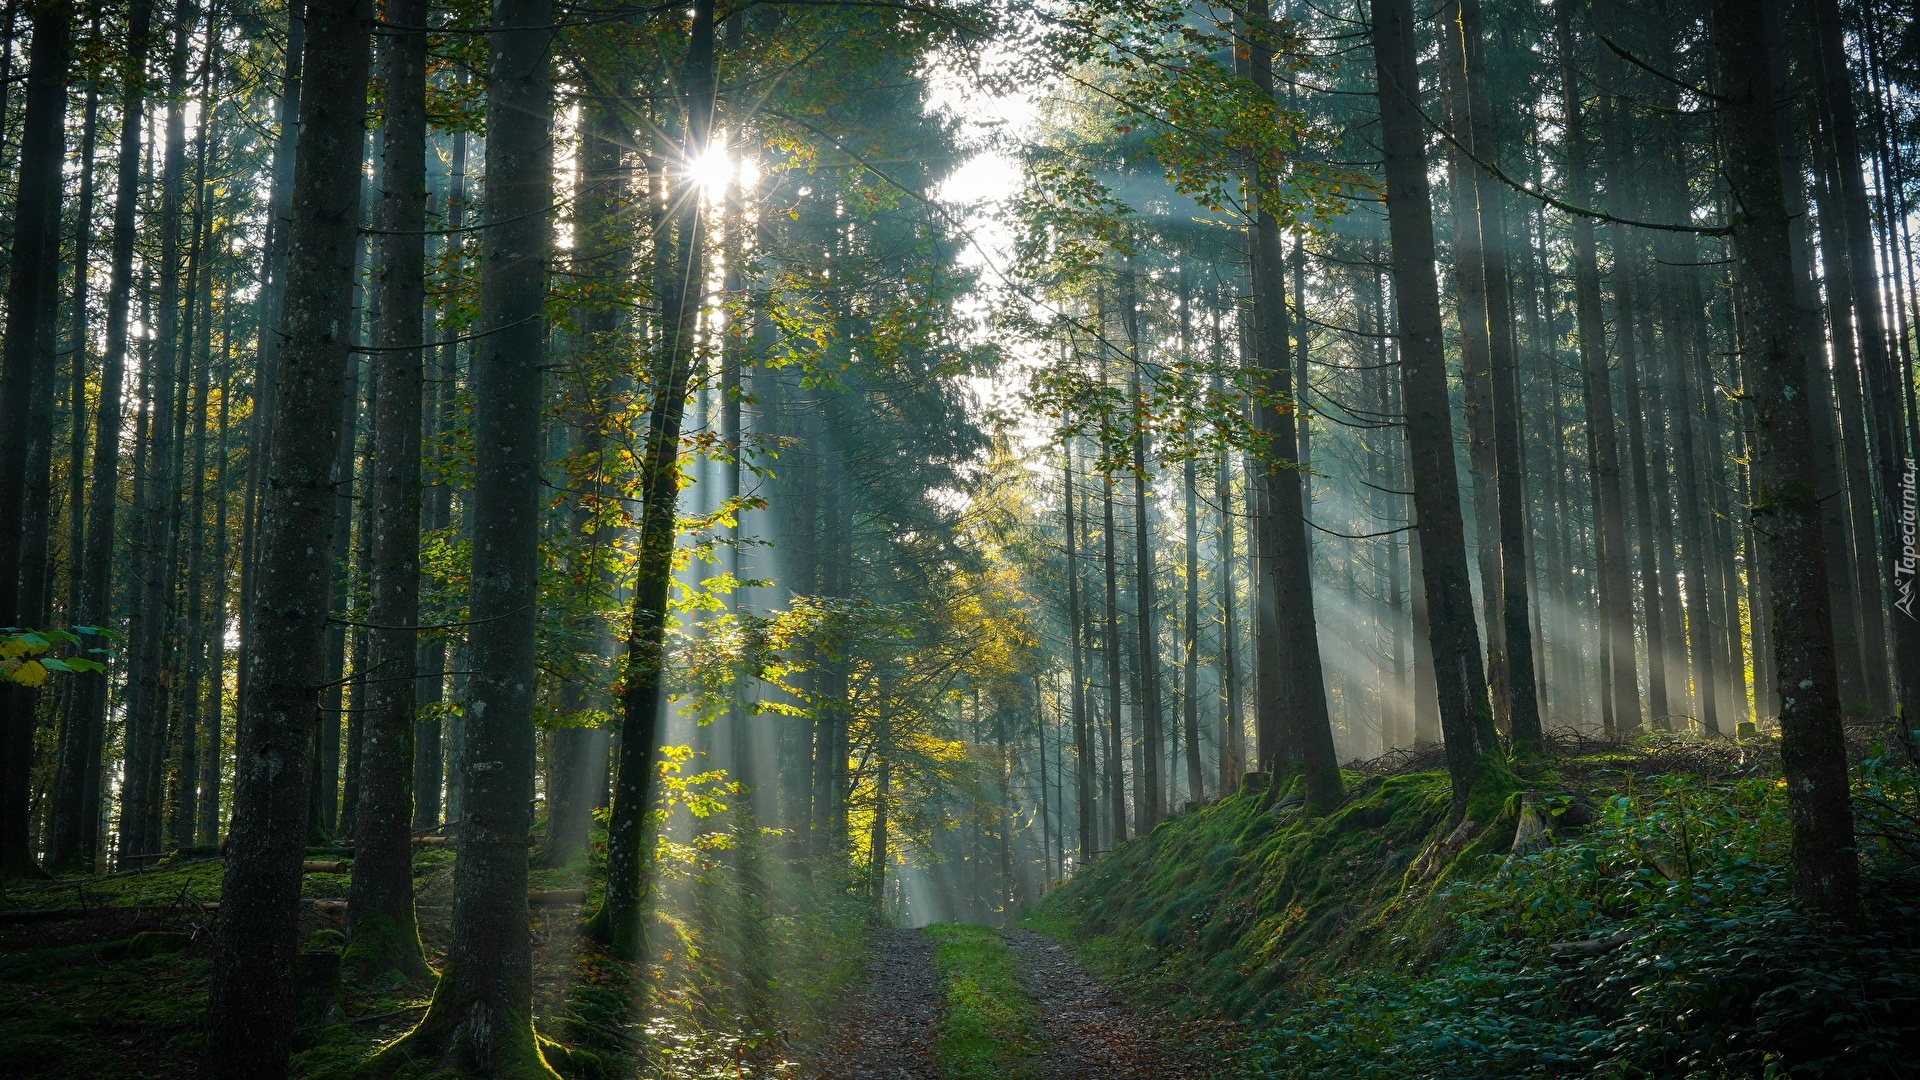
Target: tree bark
146,723
1289,558
1082,737
76,822
1190,683
1466,716
273,287
27,392
1150,786
1616,585
1479,224
480,1022
381,931
620,924
1110,645
1786,501
1891,464
250,1011
1233,753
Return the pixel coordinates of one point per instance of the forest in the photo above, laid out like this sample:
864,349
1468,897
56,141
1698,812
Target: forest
959,539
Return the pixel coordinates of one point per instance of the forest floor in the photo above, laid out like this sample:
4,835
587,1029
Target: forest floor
909,1017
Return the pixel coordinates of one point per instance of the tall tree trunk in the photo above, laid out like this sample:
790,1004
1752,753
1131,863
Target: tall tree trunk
198,359
1233,752
1476,376
1883,397
1840,443
1082,738
1466,716
481,1019
1150,786
146,724
1190,683
620,923
26,396
1110,645
78,333
1463,56
1616,585
437,514
76,821
250,1009
77,731
382,933
1812,750
1282,513
207,827
272,295
602,258
1627,270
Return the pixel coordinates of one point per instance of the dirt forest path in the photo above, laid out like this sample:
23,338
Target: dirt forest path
1090,1032
889,1025
893,1015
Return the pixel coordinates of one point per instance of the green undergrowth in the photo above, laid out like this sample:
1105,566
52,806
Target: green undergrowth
988,1030
749,952
1653,935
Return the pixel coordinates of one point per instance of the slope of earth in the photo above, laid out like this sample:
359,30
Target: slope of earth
1624,911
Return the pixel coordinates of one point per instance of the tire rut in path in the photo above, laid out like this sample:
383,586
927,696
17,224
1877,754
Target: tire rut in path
1091,1034
889,1024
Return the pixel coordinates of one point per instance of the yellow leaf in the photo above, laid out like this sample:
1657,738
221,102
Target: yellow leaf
30,673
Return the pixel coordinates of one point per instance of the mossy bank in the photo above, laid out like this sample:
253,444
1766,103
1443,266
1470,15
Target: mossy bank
1623,913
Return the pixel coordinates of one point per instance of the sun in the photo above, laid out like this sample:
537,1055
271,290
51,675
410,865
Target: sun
711,170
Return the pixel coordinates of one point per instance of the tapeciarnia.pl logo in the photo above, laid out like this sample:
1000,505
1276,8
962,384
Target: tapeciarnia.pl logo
1903,568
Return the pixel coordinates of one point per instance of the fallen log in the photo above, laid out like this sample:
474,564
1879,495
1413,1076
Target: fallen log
323,904
556,897
23,916
325,866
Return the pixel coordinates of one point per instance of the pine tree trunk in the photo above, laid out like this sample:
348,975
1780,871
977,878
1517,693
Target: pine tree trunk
1110,646
1466,717
146,724
63,809
1812,746
1082,737
1289,559
1150,786
437,514
381,931
26,396
1616,585
1479,225
1627,269
481,1019
620,924
1190,682
207,828
75,811
271,333
1233,751
1892,468
191,559
250,1010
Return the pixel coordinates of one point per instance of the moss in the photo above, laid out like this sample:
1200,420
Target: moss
444,1046
141,946
988,1031
1237,900
379,944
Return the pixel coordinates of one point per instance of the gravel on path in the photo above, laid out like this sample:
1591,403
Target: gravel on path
1090,1033
889,1024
